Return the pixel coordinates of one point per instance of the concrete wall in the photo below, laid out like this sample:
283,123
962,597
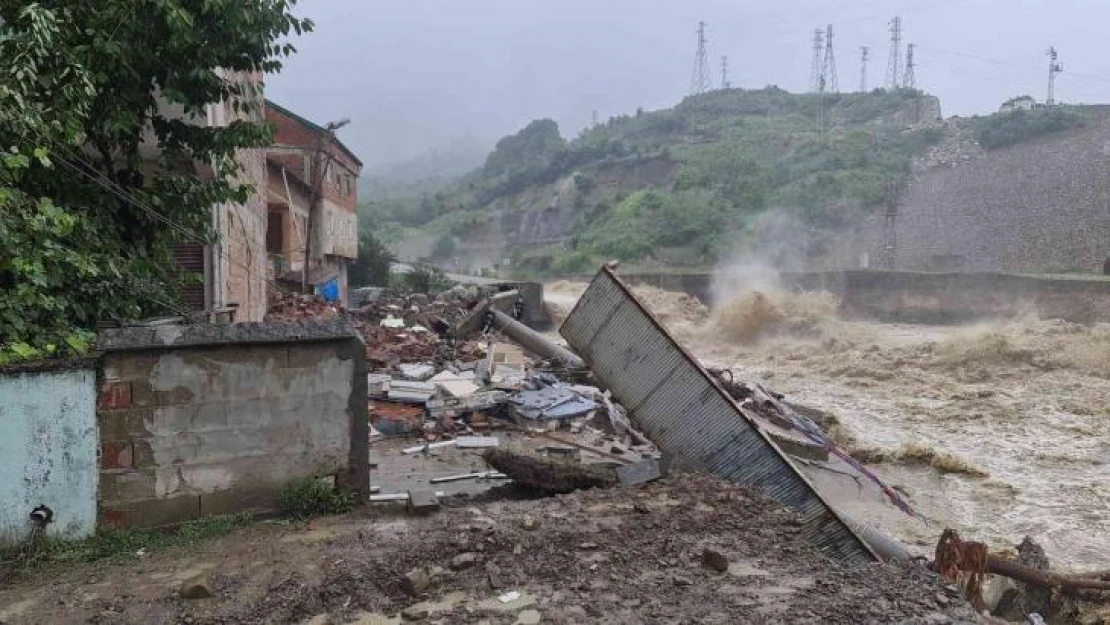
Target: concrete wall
931,297
200,420
955,297
48,446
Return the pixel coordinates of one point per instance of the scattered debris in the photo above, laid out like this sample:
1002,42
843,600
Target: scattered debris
477,475
509,597
419,372
477,442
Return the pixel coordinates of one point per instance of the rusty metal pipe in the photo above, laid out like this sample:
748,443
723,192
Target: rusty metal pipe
532,341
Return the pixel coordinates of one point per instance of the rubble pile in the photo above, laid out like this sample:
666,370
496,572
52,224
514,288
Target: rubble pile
294,307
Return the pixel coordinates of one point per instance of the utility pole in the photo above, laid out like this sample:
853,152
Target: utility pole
863,50
815,70
1053,69
909,79
829,69
895,60
324,143
725,84
699,81
890,228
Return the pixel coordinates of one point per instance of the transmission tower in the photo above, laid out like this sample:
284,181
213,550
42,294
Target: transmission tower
699,81
895,61
725,84
593,118
863,52
1053,69
829,68
909,79
815,69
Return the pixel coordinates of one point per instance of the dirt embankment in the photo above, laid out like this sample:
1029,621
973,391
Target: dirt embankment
690,549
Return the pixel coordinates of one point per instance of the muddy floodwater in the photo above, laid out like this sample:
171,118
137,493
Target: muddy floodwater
999,429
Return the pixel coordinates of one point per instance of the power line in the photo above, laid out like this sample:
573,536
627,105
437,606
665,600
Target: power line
829,63
864,51
699,81
895,59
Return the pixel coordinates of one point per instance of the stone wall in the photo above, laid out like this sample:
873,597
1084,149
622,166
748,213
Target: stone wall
48,446
200,420
1042,206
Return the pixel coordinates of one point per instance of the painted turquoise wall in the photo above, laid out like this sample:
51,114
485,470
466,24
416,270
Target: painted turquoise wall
48,451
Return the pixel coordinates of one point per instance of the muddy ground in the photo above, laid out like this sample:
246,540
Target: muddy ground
602,556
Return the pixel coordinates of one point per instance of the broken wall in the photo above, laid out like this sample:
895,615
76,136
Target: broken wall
48,446
213,419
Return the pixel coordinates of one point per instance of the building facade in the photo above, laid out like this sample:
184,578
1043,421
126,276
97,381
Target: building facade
234,284
308,169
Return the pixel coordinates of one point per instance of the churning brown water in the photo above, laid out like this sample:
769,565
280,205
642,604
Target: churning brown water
1000,430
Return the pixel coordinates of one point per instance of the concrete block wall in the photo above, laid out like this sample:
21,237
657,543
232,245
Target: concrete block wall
48,446
202,420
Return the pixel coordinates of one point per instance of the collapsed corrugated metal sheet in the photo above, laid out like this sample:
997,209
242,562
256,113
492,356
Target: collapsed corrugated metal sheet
679,406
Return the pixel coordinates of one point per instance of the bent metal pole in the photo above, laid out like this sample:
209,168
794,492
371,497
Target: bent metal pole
532,341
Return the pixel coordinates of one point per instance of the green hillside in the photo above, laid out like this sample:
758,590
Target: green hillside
680,186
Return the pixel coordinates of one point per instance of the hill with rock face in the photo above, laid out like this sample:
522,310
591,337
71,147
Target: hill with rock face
678,187
1041,206
804,181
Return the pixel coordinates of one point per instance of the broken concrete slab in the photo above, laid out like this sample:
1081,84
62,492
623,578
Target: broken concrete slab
422,501
477,442
419,371
640,472
546,475
377,384
472,403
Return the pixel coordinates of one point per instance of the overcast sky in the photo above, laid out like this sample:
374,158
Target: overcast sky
422,75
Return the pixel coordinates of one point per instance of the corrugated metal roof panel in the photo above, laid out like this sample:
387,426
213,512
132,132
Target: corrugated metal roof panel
680,407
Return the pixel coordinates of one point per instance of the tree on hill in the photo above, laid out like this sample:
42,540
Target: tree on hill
89,221
534,147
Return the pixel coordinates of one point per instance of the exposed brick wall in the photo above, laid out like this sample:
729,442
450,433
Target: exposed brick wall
293,141
188,430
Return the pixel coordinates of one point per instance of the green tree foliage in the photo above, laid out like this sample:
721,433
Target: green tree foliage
1011,128
699,175
534,147
372,266
102,109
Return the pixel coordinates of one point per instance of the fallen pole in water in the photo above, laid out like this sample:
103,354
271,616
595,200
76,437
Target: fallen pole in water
533,341
1044,579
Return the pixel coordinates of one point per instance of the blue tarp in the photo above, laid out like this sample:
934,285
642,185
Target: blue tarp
329,290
